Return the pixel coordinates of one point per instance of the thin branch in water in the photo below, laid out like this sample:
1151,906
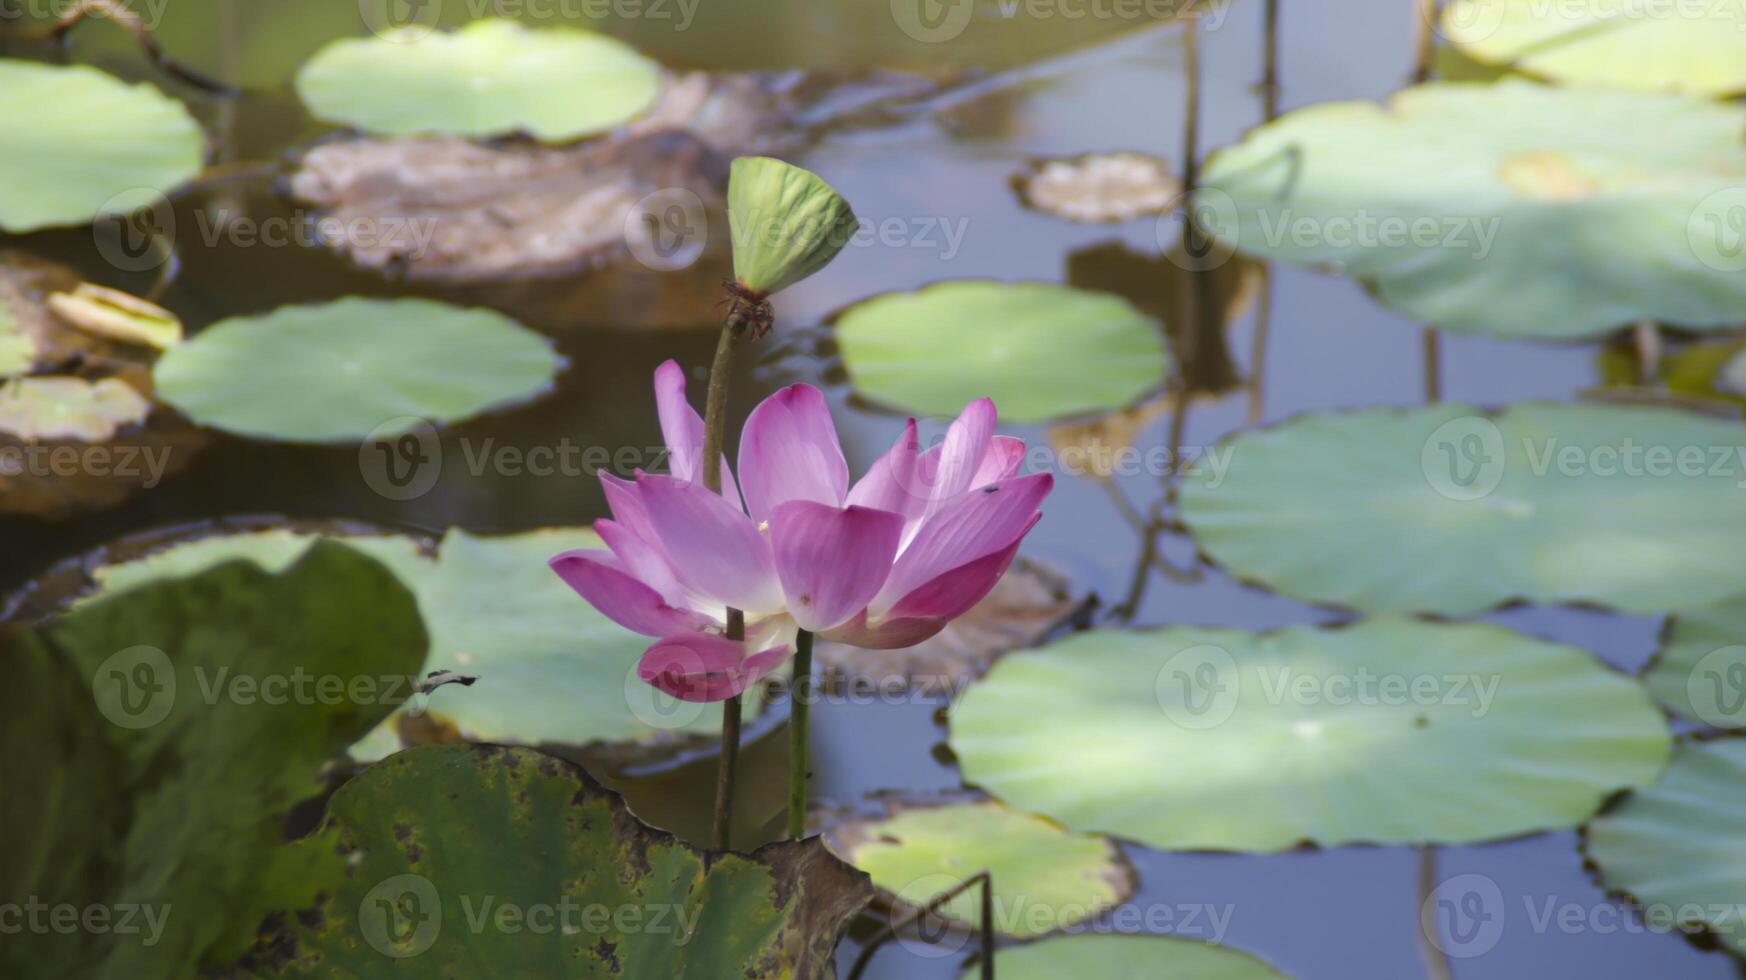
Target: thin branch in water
1264,297
891,929
1424,40
1433,365
1436,963
130,22
1647,337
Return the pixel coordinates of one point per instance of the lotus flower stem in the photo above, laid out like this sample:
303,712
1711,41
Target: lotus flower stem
1436,963
1433,366
714,425
799,705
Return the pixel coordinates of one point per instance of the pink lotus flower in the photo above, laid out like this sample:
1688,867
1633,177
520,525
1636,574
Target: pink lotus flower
885,563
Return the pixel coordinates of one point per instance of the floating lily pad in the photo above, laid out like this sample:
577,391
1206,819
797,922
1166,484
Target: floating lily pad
81,143
69,408
1445,509
1116,957
490,78
551,669
158,745
1390,731
544,839
117,315
1045,878
1040,350
1513,209
1678,848
1100,188
1700,671
343,370
1028,602
1695,48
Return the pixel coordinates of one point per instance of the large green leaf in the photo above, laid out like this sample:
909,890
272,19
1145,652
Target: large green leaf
490,78
1119,957
1678,848
1040,350
81,143
1449,510
1514,209
1045,878
484,861
1697,47
1391,731
353,368
1700,671
156,742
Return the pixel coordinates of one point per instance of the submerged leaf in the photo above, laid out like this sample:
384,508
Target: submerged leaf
117,315
786,222
1101,188
69,408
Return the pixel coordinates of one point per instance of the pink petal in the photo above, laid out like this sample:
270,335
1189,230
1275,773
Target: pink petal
951,594
961,453
682,428
643,559
831,562
888,634
890,483
789,451
705,667
969,527
1001,462
598,577
714,548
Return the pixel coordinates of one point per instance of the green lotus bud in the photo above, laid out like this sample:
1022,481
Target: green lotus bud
117,315
787,223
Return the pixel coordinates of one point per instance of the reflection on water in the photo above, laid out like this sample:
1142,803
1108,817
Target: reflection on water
1349,913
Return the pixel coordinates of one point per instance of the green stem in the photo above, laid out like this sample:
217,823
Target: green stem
714,427
799,706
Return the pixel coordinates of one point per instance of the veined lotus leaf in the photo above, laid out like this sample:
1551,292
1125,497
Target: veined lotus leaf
36,409
1028,602
1692,48
1677,848
1389,731
543,840
117,315
550,668
1045,878
491,77
81,143
1700,671
1108,957
1101,188
786,223
344,370
1446,509
1040,350
1513,209
158,741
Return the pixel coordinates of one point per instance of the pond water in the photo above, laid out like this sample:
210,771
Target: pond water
1347,913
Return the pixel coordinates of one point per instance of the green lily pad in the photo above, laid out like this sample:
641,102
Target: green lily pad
353,368
1445,509
1678,848
787,223
490,78
550,668
1040,350
81,143
69,408
1700,671
554,870
1692,48
1045,878
1390,731
1513,209
1116,957
161,740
